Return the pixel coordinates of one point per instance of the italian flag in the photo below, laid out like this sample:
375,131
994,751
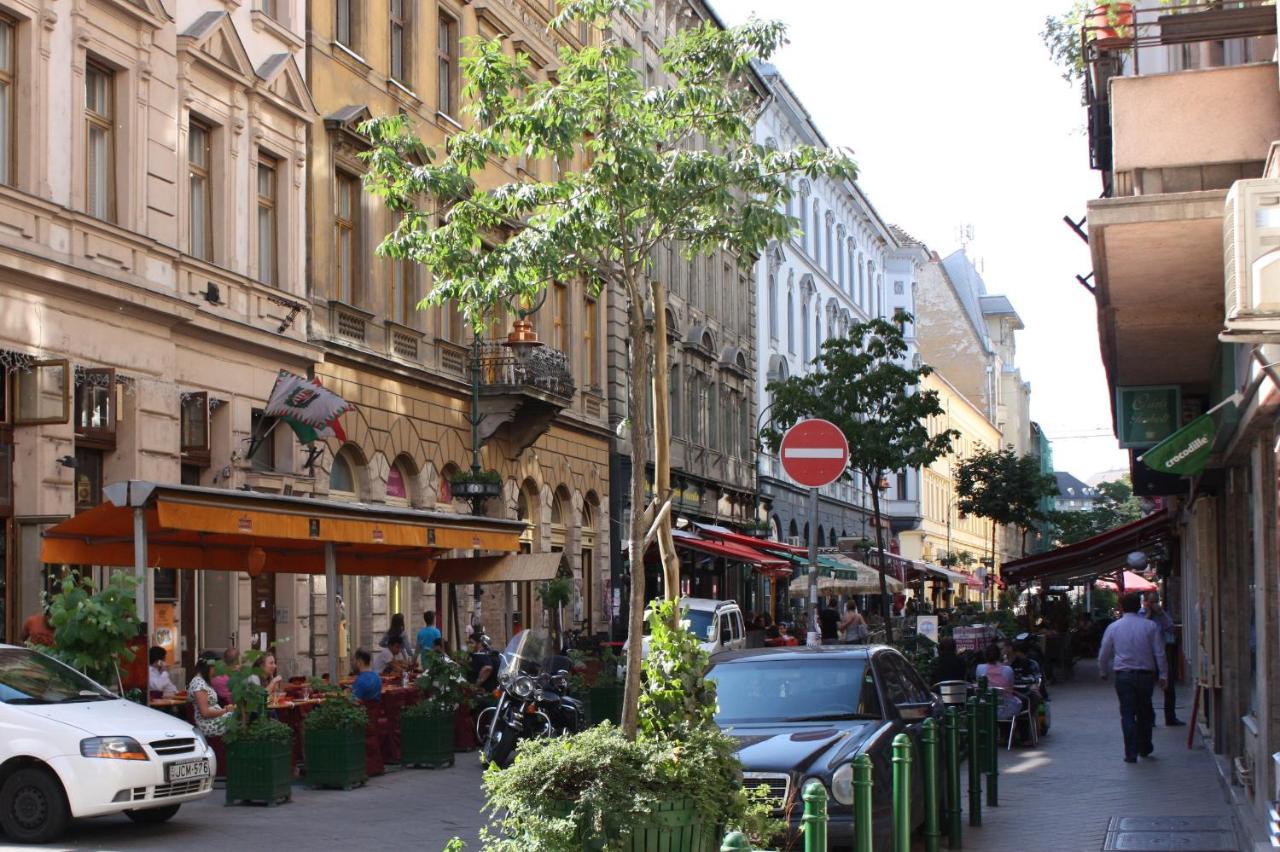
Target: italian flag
308,407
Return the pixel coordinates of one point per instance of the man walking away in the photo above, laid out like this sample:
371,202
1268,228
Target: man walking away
1154,612
1133,648
427,636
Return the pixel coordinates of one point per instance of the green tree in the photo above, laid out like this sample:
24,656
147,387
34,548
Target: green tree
861,385
92,628
1116,506
641,166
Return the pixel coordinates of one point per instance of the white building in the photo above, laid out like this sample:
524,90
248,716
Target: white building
844,265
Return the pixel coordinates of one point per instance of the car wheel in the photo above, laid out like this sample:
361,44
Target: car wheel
152,816
33,808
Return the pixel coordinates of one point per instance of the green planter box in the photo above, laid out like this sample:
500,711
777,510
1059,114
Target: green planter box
673,827
605,702
426,741
259,772
334,758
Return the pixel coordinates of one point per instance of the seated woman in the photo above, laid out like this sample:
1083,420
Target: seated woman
210,716
367,685
274,684
222,683
1000,676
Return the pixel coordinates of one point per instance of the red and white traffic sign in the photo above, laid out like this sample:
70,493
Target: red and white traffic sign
814,453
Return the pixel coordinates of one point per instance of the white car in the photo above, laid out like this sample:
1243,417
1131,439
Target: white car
69,748
717,624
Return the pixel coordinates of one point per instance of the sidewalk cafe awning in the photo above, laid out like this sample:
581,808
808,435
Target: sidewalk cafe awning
1132,583
729,550
156,525
1099,556
854,577
728,535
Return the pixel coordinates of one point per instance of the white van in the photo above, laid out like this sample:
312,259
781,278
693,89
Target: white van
717,624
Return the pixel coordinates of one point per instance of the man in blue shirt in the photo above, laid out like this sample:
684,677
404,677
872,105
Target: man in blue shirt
1133,648
427,636
367,686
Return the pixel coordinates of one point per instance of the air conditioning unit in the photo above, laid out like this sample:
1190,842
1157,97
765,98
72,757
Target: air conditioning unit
1251,260
795,541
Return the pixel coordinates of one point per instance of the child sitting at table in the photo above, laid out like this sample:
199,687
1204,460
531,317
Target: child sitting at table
367,685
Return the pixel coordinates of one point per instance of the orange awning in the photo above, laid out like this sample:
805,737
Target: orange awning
223,530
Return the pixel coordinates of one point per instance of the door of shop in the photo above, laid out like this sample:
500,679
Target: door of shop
263,621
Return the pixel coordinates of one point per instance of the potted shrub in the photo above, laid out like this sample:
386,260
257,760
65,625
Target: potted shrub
474,485
333,741
258,748
757,528
604,695
677,786
93,628
426,728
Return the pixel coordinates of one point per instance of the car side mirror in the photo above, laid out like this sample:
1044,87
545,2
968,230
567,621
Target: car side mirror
914,711
726,636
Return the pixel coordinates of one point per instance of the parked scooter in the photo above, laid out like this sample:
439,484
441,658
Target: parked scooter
533,700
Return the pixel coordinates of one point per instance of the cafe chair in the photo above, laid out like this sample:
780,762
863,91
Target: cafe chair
953,693
1011,708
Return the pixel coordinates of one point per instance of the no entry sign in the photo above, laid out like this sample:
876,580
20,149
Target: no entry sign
814,453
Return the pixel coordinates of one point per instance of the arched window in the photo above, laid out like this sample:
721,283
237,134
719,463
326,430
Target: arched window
342,476
851,283
840,264
673,407
804,329
445,495
712,415
879,294
792,530
830,243
817,232
862,284
773,306
791,323
817,333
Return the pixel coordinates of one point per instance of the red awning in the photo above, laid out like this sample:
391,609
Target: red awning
728,550
970,580
764,544
1132,583
1094,557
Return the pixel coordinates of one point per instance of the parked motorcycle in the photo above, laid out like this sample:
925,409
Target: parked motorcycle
533,699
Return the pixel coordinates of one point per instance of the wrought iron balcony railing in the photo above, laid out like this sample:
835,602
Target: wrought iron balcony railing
540,368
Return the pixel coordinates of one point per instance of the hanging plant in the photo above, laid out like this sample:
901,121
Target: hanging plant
468,484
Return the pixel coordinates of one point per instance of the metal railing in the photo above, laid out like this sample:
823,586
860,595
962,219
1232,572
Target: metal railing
542,368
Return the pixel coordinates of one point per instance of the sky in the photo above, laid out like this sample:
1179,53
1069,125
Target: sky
957,117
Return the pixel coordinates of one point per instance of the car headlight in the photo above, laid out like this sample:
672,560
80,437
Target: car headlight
113,748
842,784
522,687
201,742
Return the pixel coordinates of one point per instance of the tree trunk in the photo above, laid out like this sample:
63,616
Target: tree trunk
641,436
885,611
662,446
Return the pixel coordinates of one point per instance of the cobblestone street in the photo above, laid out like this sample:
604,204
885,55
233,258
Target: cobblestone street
1061,796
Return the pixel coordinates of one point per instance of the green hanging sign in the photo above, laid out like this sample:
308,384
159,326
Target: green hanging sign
1145,416
1185,452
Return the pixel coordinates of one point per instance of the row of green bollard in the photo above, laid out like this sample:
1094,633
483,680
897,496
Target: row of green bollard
976,727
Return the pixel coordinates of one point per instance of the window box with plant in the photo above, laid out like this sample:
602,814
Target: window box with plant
427,728
333,741
471,485
757,528
258,748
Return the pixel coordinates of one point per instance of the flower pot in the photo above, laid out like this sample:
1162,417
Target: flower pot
1110,22
605,702
259,772
334,758
426,741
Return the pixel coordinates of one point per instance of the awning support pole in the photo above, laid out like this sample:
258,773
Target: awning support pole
142,592
331,608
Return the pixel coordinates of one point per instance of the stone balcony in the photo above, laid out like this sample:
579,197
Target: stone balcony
520,394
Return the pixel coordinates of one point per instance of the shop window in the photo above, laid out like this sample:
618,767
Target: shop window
43,393
262,457
88,478
195,428
95,408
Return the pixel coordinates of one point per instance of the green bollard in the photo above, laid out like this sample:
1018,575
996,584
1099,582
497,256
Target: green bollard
929,743
975,777
980,746
951,727
863,836
735,841
993,769
901,793
814,821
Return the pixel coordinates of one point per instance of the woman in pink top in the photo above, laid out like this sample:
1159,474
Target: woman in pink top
1001,676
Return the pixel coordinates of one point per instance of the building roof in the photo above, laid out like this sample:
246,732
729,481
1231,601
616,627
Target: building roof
904,239
1071,488
999,306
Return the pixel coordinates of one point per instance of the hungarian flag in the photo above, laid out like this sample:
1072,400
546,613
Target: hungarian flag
308,407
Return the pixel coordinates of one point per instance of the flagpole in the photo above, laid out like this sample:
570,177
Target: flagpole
256,440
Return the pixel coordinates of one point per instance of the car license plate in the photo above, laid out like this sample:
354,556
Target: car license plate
185,770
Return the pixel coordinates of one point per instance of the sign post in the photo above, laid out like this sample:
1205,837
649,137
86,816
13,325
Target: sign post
814,453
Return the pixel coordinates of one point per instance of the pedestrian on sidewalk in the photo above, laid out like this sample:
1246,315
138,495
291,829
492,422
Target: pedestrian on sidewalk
1154,612
1133,648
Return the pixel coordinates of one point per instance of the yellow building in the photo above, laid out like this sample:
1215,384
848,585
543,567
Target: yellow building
942,531
408,372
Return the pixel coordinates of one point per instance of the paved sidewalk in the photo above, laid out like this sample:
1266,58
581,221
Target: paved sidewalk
1061,796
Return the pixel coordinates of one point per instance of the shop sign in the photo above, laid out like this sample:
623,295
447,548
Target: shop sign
1147,415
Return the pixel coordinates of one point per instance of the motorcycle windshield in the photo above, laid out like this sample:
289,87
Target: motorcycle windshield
525,652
